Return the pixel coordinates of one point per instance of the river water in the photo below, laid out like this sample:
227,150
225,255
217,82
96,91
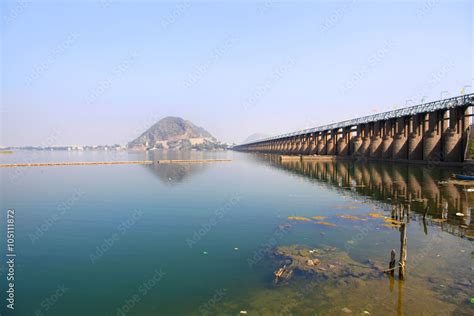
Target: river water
194,239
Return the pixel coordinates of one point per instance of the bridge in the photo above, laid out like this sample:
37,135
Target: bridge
434,131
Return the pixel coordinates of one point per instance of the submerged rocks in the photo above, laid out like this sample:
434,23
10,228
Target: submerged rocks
328,263
346,310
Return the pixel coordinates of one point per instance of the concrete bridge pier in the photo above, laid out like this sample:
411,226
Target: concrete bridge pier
375,148
400,140
317,138
322,144
292,146
305,146
302,145
283,144
453,137
432,136
356,142
330,143
343,142
312,144
415,140
288,146
364,148
298,145
280,146
387,139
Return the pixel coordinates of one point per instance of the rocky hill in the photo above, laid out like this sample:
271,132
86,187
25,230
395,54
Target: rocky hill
175,133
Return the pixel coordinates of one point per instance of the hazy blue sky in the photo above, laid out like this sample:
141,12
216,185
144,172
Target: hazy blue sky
101,72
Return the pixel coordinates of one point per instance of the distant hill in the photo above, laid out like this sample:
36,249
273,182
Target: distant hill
255,137
175,133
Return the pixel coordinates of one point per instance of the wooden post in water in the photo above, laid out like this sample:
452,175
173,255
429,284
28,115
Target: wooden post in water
393,261
400,299
403,252
408,211
427,209
425,228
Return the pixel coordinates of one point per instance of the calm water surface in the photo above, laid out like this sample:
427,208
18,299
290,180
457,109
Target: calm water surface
196,239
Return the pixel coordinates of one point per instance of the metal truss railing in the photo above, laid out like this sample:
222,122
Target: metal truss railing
444,104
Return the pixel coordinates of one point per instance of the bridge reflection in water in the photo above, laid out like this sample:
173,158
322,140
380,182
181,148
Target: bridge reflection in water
426,192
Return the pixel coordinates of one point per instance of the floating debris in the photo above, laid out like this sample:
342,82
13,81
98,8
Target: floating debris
391,225
283,274
391,220
298,218
439,220
351,217
243,312
236,248
346,207
325,224
460,214
469,190
204,252
319,218
376,215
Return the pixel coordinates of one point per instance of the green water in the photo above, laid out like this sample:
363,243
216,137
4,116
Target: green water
194,239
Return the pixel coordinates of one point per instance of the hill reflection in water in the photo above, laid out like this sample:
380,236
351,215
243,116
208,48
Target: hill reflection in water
172,174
